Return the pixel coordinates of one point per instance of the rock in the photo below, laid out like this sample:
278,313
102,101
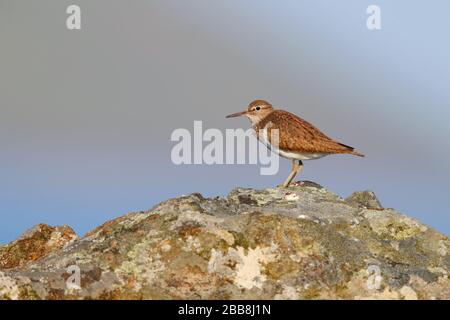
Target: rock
366,199
303,242
306,184
34,244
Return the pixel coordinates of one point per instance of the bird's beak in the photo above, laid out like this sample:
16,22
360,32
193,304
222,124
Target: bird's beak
237,114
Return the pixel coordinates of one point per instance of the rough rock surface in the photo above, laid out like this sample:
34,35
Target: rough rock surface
299,243
34,244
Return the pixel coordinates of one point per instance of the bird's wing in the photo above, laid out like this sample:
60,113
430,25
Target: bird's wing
298,135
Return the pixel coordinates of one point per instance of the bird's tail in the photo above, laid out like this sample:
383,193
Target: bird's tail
352,150
356,153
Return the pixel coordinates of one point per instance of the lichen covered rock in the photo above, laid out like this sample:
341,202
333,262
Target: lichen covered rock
34,244
366,199
299,243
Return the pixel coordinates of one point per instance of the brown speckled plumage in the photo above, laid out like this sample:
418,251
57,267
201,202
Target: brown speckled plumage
298,135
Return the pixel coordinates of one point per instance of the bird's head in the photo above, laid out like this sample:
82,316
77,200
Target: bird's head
255,111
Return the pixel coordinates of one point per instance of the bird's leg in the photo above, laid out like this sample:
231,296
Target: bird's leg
299,168
291,175
296,168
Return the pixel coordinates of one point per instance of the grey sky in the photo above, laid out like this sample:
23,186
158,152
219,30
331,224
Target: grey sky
86,116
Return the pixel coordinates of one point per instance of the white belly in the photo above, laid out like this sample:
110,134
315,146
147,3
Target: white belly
299,155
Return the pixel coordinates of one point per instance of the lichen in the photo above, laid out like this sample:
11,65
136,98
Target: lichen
303,242
244,266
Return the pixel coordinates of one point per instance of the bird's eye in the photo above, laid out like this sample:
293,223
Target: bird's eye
257,108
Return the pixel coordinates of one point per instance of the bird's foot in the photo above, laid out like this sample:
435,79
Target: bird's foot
297,184
306,183
292,184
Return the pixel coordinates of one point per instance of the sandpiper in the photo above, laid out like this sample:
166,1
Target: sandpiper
298,140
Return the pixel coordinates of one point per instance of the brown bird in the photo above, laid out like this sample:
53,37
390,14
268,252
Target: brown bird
295,138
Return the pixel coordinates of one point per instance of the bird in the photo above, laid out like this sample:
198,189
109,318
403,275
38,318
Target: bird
297,139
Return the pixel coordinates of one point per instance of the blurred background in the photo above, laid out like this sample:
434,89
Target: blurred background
86,115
